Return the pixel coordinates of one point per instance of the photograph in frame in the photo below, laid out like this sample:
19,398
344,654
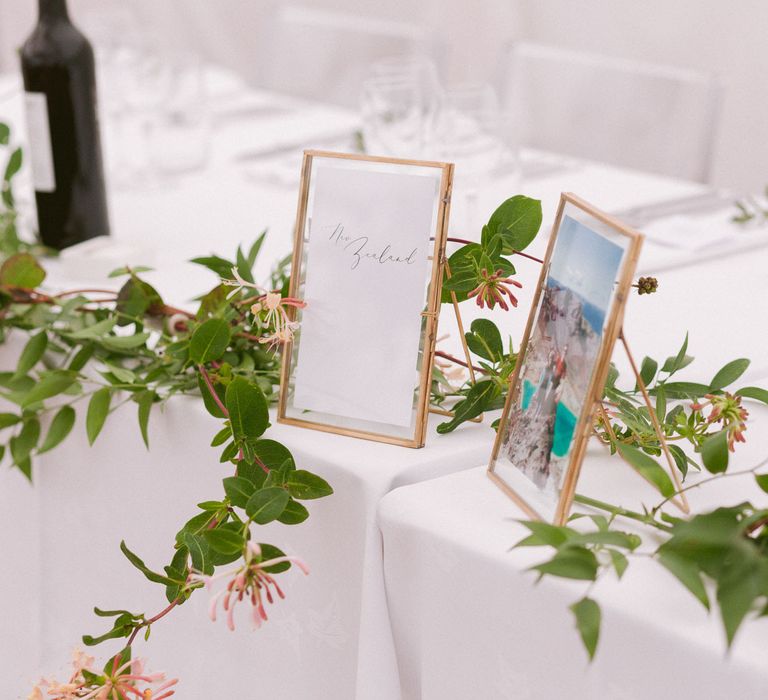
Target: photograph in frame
368,255
564,359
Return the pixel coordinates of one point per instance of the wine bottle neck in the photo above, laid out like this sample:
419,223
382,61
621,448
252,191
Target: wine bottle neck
52,10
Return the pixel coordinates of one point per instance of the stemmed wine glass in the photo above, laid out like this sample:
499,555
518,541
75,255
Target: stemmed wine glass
399,104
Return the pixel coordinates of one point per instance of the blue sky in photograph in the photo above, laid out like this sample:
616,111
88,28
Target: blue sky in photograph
586,262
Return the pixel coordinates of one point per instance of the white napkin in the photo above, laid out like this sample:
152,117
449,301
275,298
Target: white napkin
693,232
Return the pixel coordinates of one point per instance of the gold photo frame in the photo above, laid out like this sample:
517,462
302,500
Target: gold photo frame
343,199
585,310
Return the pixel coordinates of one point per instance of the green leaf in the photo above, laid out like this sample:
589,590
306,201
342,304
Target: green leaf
220,266
61,425
687,573
14,164
32,353
268,552
571,562
141,566
478,398
753,392
114,633
267,505
209,341
304,485
98,410
123,376
294,513
21,270
587,614
51,384
145,400
137,298
253,252
125,270
682,390
681,461
544,534
729,374
22,444
124,342
762,481
224,542
676,362
649,468
485,340
221,437
661,404
714,452
613,538
80,360
619,561
212,303
248,411
111,613
252,472
5,134
243,268
647,371
95,331
210,404
736,593
273,454
517,220
238,490
8,419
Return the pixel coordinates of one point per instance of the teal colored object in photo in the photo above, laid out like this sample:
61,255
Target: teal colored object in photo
565,426
529,389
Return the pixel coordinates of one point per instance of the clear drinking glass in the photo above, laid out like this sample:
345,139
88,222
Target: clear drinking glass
399,105
392,116
476,135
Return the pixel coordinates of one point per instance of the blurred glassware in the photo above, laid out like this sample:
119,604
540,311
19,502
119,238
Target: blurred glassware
120,47
475,134
399,105
179,130
154,99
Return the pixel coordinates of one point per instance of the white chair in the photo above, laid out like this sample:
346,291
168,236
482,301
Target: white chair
636,115
323,55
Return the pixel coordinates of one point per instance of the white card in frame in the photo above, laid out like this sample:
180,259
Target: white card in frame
368,262
563,362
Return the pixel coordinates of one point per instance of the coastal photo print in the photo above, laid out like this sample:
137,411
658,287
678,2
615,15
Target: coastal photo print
565,344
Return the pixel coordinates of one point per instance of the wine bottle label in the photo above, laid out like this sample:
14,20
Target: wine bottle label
39,135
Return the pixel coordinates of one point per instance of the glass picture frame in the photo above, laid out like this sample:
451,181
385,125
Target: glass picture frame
564,358
368,258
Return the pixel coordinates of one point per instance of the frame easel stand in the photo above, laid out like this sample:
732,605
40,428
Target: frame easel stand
680,500
465,348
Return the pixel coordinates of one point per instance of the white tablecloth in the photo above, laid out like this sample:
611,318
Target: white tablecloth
469,620
331,637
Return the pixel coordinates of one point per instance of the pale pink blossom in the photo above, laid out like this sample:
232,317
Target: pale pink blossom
249,582
127,681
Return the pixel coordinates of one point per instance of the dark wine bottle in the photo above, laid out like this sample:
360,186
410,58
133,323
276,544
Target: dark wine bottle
65,149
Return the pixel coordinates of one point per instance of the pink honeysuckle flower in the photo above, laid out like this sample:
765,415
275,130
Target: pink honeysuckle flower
239,284
249,582
727,410
128,681
81,660
276,320
493,288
